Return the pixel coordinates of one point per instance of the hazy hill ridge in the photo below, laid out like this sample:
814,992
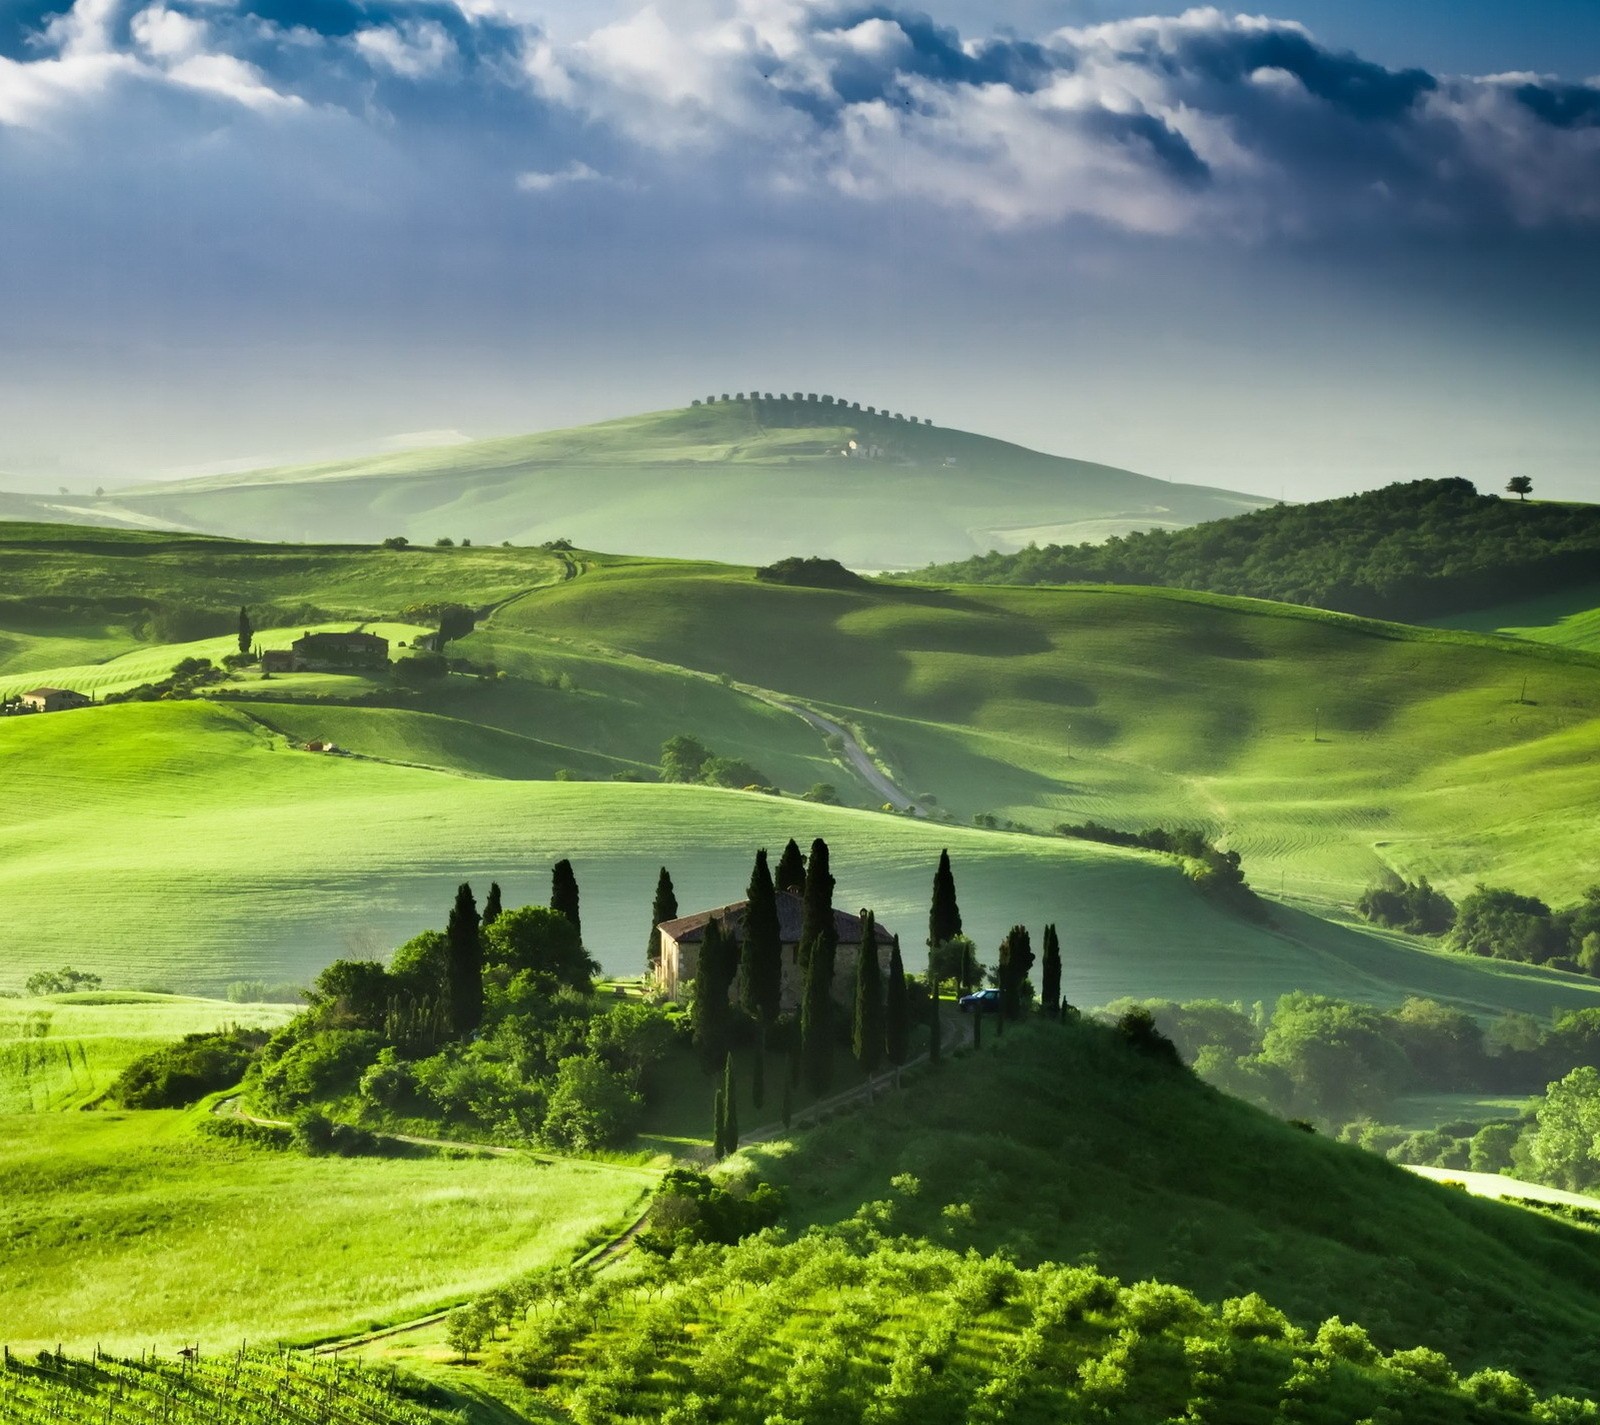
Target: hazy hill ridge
744,480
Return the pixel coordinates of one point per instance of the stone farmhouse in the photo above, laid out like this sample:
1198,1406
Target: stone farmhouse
681,938
329,653
53,700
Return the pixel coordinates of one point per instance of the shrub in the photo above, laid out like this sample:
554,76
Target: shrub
1500,1389
1254,1318
319,1067
180,1074
1338,1340
591,1105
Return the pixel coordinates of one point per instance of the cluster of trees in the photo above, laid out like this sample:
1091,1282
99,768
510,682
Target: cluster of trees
64,981
799,408
1218,873
688,759
491,1025
183,1073
187,675
855,1314
1493,921
1409,551
814,573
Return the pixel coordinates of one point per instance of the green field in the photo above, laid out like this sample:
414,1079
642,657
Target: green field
643,484
1570,619
131,1229
1322,747
271,861
64,1051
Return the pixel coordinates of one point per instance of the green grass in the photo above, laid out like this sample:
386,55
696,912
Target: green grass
645,483
125,1229
1064,1145
64,1051
1570,619
1432,1110
233,854
1320,746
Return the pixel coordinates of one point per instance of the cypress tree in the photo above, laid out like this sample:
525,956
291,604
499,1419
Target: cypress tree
788,1103
761,956
663,908
564,894
709,1014
247,633
896,1009
1051,973
719,1120
791,874
465,950
866,1032
819,937
944,915
758,1076
491,905
935,1029
1016,959
730,1107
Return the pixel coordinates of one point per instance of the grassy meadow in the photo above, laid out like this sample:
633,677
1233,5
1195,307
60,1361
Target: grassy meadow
132,1229
271,861
64,1051
1570,619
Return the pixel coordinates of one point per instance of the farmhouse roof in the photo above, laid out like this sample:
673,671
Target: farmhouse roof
355,636
791,915
51,693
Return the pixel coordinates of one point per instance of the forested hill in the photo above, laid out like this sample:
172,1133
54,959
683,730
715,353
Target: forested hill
1408,551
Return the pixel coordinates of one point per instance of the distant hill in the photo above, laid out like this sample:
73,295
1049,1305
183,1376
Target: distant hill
743,480
1410,551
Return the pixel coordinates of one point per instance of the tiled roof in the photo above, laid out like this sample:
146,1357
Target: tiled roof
791,914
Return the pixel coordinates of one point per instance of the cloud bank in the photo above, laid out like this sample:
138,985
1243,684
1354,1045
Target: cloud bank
1204,123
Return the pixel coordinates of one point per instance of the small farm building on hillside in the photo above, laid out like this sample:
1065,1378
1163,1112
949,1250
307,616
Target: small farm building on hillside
329,653
681,938
53,700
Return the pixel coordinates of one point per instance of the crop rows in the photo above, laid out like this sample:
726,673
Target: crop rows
244,1388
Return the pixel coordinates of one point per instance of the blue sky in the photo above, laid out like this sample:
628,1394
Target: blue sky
1299,253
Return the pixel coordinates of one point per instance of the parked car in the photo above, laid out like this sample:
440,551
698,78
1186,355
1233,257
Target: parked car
980,1002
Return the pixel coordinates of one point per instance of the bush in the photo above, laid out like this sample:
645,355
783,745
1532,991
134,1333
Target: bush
591,1105
180,1074
1412,906
1138,1029
1337,1340
325,1064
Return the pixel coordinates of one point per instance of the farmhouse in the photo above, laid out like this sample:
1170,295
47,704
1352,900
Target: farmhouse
680,947
328,653
53,700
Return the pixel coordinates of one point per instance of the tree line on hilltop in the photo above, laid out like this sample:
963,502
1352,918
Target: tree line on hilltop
1408,551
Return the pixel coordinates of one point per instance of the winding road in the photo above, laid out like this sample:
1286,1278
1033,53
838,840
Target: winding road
869,771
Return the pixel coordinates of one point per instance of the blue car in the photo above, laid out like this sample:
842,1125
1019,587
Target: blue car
981,1002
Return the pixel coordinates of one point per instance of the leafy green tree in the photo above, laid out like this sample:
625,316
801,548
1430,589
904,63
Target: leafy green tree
564,893
1520,486
662,909
1051,996
733,772
761,954
944,914
683,758
247,633
896,1009
539,941
1016,960
1563,1148
465,945
710,1014
867,1028
1341,1058
591,1105
791,873
491,904
1494,921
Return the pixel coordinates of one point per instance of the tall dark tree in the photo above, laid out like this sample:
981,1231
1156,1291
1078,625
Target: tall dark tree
491,905
247,633
791,874
730,1107
710,1014
564,893
867,1027
662,909
896,1009
944,914
1051,974
1016,959
758,1075
819,938
719,1124
465,951
761,955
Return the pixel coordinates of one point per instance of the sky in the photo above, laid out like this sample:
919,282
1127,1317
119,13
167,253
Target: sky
1298,253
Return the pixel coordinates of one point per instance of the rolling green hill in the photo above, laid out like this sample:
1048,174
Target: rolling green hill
190,841
1323,747
749,481
1570,619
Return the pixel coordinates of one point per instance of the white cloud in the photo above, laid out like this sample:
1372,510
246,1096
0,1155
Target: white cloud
167,34
535,182
414,51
